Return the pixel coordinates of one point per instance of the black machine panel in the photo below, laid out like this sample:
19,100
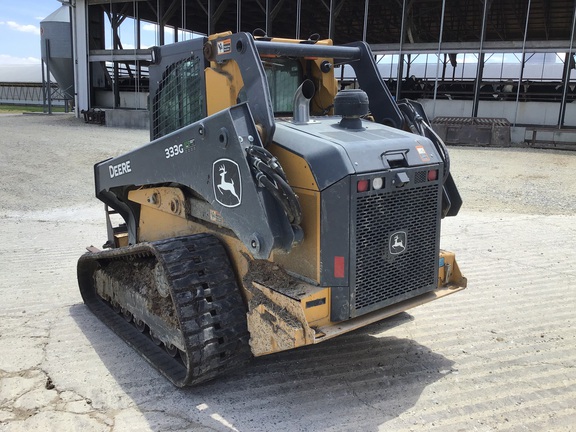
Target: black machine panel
397,235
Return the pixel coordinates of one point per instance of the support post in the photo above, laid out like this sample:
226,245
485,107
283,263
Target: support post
438,60
268,29
480,67
523,63
238,15
298,17
48,80
331,21
365,29
210,18
566,73
400,55
478,83
115,44
43,87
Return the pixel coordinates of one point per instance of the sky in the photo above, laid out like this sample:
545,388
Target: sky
20,29
20,34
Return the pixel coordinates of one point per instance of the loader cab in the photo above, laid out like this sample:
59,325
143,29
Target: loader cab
179,98
186,87
284,77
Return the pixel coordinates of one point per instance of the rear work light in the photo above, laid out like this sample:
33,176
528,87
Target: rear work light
362,185
377,183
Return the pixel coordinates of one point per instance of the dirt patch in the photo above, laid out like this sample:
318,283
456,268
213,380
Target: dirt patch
268,274
140,277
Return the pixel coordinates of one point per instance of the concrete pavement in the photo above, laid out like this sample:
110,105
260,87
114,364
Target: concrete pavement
499,356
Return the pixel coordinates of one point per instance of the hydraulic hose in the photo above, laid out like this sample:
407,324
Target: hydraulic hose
271,176
420,126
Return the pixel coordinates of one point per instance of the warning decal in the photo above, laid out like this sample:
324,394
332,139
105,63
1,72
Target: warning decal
422,153
224,46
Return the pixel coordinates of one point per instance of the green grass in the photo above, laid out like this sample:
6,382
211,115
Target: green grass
13,109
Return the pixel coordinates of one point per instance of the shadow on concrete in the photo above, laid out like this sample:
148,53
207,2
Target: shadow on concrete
357,381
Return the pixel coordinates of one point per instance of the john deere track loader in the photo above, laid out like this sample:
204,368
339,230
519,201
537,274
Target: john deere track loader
270,210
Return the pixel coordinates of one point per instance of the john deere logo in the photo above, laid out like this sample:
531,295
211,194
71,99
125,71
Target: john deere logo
227,182
398,242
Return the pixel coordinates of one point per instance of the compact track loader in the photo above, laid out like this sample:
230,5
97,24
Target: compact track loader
270,210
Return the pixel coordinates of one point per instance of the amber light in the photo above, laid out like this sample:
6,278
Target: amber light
362,185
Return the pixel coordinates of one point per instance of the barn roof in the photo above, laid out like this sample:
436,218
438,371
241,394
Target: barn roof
549,20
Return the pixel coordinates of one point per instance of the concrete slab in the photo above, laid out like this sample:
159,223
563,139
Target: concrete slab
128,118
499,356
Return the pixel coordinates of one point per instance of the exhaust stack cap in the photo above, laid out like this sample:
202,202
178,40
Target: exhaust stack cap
302,102
351,104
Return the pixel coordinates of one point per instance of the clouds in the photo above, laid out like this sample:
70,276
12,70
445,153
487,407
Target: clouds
20,29
25,28
15,53
149,27
12,60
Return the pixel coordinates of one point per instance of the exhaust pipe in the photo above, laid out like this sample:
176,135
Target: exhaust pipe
302,102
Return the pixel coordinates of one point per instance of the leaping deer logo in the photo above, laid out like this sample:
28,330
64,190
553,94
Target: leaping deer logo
226,186
398,242
227,182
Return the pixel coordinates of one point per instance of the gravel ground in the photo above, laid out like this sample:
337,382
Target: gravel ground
47,161
498,356
515,180
62,149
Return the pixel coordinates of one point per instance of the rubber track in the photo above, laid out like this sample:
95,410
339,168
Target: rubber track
207,303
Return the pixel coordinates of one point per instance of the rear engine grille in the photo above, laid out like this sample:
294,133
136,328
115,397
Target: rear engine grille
383,277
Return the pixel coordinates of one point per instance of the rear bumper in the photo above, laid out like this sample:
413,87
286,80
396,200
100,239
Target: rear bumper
279,321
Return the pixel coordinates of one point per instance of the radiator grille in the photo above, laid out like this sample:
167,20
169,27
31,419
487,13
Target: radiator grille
384,278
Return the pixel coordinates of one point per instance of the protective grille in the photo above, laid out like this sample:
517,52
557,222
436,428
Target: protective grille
384,278
180,98
421,177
